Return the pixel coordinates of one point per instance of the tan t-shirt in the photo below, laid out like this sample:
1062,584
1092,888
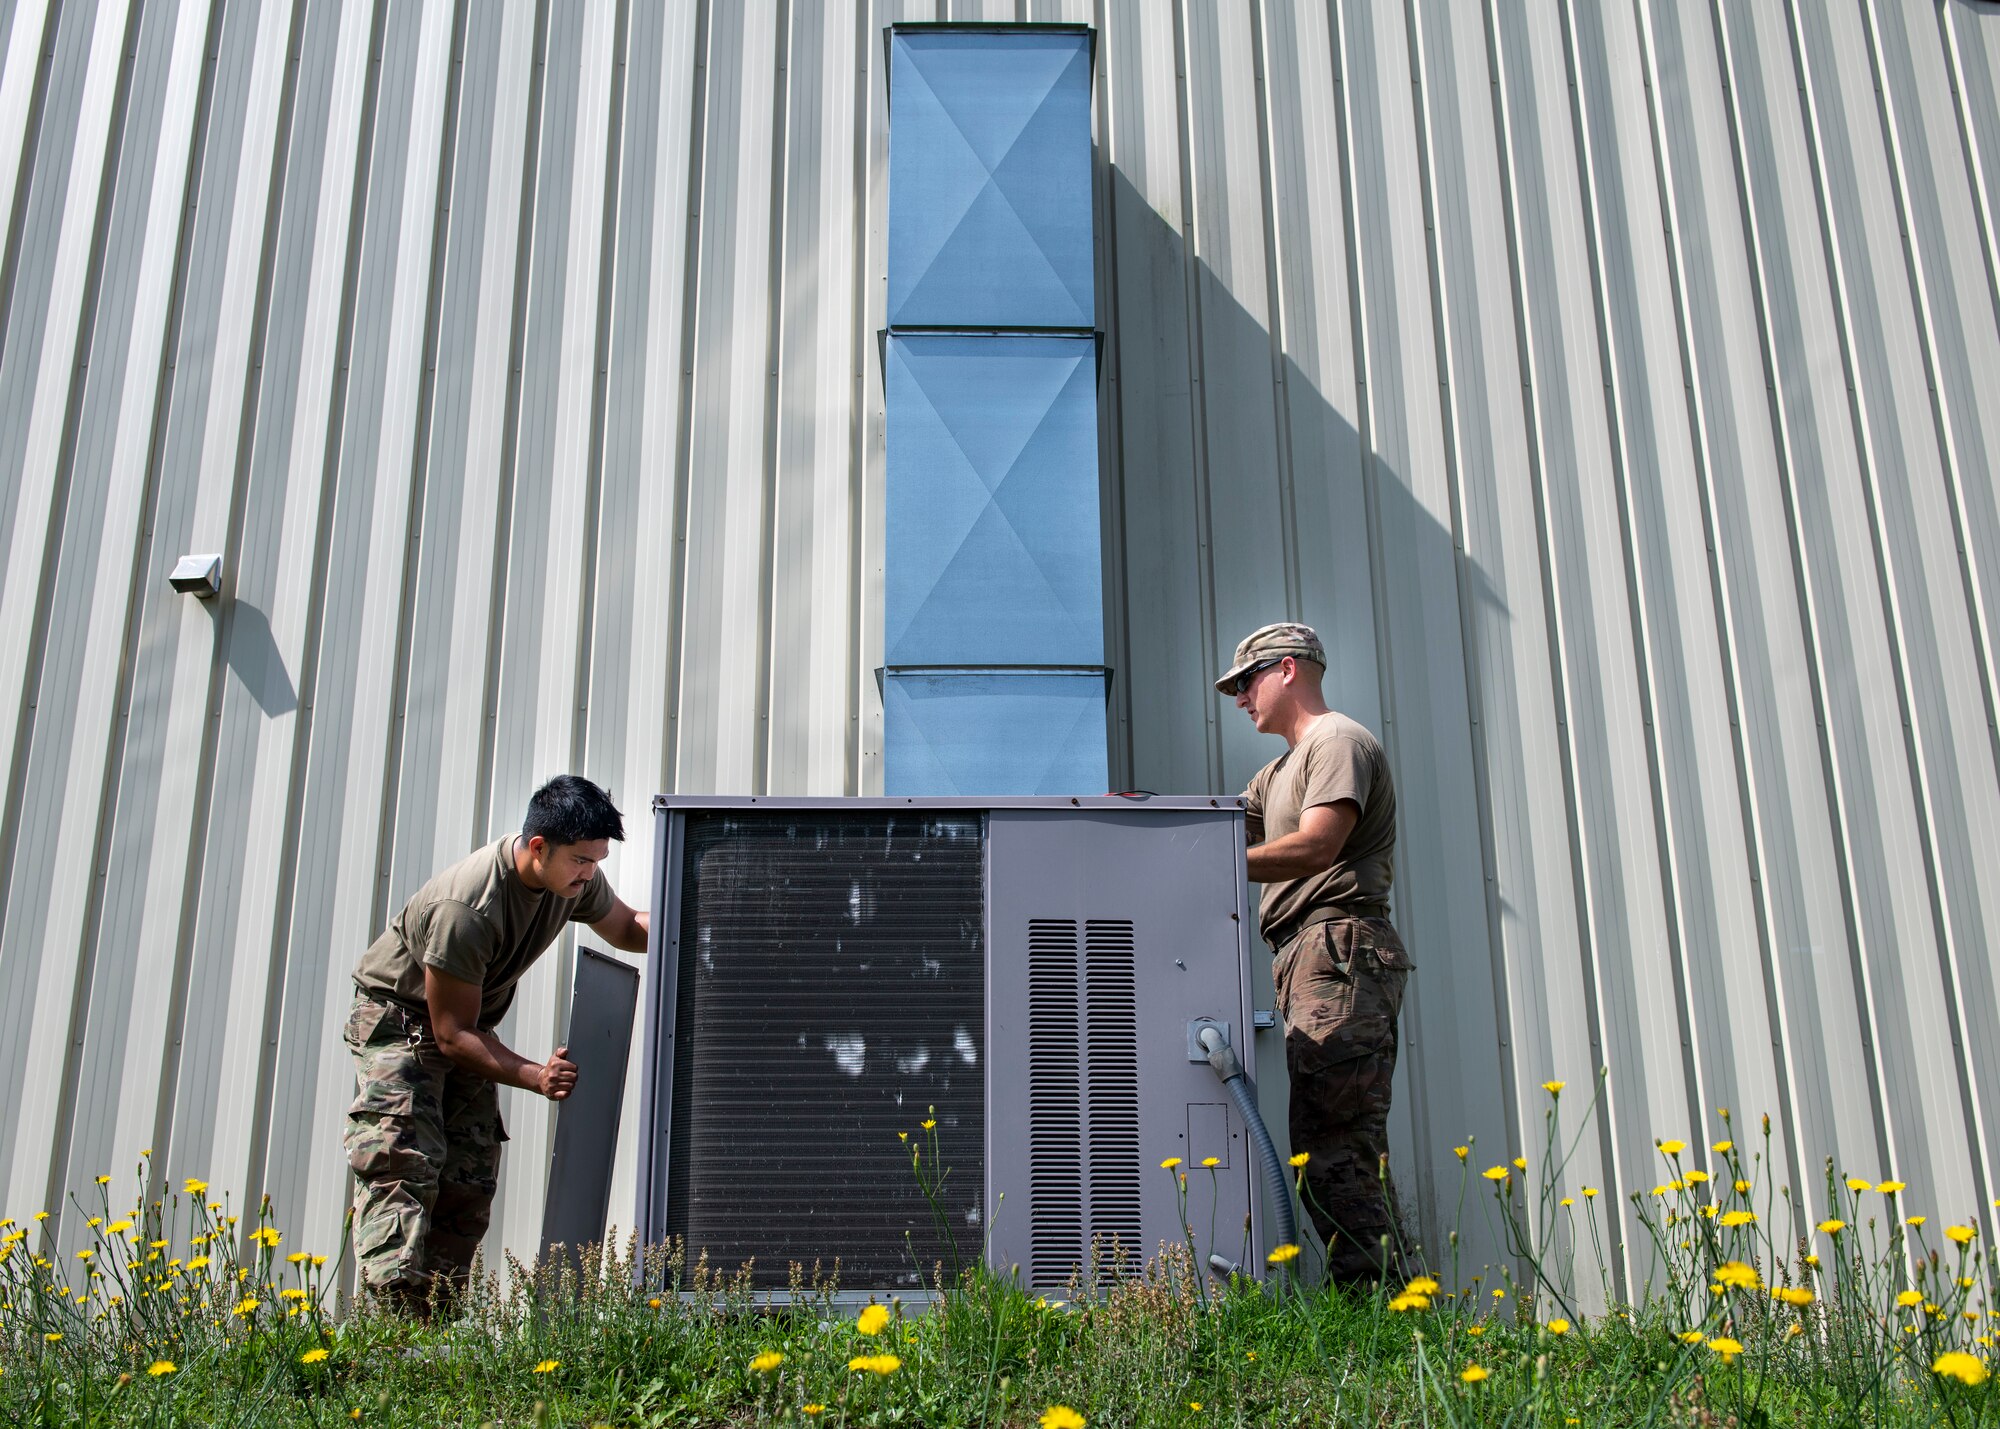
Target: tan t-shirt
1336,759
477,922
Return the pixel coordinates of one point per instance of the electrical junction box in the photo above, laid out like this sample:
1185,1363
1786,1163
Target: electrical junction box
829,975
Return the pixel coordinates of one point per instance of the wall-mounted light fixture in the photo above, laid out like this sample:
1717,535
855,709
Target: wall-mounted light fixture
199,576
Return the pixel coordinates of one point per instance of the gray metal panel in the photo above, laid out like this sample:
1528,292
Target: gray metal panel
1536,996
1794,862
1596,690
39,375
585,1142
1441,902
1193,952
65,795
1948,752
339,868
628,725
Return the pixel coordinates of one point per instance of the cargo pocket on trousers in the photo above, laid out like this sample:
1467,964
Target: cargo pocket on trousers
381,1133
1374,987
362,1021
1319,994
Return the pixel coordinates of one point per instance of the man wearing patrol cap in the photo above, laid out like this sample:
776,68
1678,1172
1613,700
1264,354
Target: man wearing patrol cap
1322,833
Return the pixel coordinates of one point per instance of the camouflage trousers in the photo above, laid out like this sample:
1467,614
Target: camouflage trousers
423,1138
1340,990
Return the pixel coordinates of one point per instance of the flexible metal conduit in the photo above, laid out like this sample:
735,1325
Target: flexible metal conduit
1228,1066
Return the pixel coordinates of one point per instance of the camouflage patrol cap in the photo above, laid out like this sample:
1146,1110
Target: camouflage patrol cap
1273,642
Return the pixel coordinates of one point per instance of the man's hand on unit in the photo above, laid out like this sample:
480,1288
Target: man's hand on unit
556,1078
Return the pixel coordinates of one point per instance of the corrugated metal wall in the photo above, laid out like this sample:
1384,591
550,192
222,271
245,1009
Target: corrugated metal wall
1603,380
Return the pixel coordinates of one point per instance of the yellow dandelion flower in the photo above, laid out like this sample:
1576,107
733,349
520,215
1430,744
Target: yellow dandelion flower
1671,1148
1855,1183
1520,1163
875,1364
1409,1301
1423,1285
1170,1163
1461,1152
312,1356
873,1320
812,1410
1735,1273
548,1367
1691,1337
1792,1295
1695,1177
1495,1173
1300,1158
266,1236
1554,1088
1890,1188
41,1215
1061,1416
1914,1220
1958,1365
1211,1162
654,1303
1590,1193
1742,1188
161,1367
298,1257
1280,1254
1475,1329
293,1294
193,1187
927,1125
1499,1294
53,1336
200,1262
1723,1147
1472,1374
1909,1299
1567,1201
1729,1349
85,1254
1813,1261
1738,1218
1834,1226
1195,1405
767,1361
1557,1327
1961,1234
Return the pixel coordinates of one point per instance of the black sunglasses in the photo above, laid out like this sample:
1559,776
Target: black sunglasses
1243,680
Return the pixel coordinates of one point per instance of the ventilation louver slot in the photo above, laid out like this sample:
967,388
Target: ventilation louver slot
1111,1079
1083,1096
831,988
1055,1129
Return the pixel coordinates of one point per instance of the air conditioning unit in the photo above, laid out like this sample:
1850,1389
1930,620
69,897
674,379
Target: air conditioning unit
1030,974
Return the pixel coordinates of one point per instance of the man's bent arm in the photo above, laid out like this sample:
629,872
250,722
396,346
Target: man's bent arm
624,927
1312,848
454,1009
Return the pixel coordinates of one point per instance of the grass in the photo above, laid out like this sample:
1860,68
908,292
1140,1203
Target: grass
181,1313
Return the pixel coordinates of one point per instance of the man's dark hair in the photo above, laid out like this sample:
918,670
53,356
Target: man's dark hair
569,809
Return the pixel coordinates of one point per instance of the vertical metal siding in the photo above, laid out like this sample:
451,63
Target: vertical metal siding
1606,382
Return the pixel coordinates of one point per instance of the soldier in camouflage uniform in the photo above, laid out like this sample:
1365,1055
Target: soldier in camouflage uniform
424,1132
1322,829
